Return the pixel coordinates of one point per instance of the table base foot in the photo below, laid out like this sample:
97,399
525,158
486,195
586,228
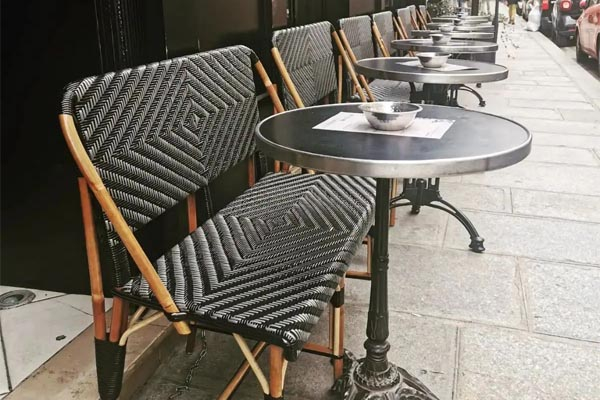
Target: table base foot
426,192
393,384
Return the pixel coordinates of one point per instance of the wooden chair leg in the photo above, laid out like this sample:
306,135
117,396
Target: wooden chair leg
110,354
393,210
277,368
337,331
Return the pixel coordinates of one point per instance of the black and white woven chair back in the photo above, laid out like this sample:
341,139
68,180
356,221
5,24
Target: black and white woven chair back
385,23
307,52
423,11
404,15
158,132
413,12
358,31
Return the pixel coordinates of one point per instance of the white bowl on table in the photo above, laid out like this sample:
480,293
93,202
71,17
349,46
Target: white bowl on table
447,28
433,60
390,115
440,38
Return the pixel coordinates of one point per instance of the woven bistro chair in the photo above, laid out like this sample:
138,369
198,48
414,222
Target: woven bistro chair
421,18
405,22
383,30
414,18
425,17
263,268
305,58
357,39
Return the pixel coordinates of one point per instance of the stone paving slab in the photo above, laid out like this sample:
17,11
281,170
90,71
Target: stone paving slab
556,205
452,284
563,299
564,127
541,238
582,116
477,197
500,364
552,104
543,176
512,112
556,139
563,155
426,228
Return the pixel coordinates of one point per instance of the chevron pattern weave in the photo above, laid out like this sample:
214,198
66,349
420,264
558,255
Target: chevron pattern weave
267,265
358,31
385,24
388,90
161,131
307,52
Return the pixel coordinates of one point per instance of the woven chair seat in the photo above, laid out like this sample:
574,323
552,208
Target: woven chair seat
384,90
267,265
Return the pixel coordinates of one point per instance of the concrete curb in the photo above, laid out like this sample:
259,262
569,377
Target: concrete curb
590,87
71,373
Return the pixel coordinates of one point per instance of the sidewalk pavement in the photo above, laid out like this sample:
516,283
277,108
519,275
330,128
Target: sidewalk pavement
520,322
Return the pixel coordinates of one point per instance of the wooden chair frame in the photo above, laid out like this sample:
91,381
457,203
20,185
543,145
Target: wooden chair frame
122,326
379,39
421,19
402,32
345,45
336,319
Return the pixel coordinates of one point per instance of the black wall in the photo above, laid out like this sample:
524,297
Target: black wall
45,45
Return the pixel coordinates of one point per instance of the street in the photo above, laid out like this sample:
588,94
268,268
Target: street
589,66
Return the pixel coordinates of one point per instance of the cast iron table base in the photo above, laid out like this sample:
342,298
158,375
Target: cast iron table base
421,192
393,384
443,95
374,377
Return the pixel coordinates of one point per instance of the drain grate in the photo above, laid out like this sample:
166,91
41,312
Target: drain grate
16,298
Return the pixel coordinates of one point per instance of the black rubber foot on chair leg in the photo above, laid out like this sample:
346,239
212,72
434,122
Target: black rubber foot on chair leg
477,244
110,363
482,103
268,397
478,85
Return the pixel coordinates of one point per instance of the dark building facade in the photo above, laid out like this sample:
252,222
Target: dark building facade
45,45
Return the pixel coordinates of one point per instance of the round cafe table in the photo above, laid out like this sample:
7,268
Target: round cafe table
453,46
463,28
454,35
440,87
475,142
393,68
468,20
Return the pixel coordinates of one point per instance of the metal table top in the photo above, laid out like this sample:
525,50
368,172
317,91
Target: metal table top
453,46
463,20
465,17
463,28
455,35
475,142
391,68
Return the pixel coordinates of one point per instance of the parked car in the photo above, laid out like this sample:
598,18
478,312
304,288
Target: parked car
564,21
546,10
588,32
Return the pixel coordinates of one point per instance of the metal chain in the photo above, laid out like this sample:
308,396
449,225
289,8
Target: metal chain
190,375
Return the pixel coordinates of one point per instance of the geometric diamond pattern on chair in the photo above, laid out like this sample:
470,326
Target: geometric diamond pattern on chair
385,23
157,132
307,52
360,39
267,265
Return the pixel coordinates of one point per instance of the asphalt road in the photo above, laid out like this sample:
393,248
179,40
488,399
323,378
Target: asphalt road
590,65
